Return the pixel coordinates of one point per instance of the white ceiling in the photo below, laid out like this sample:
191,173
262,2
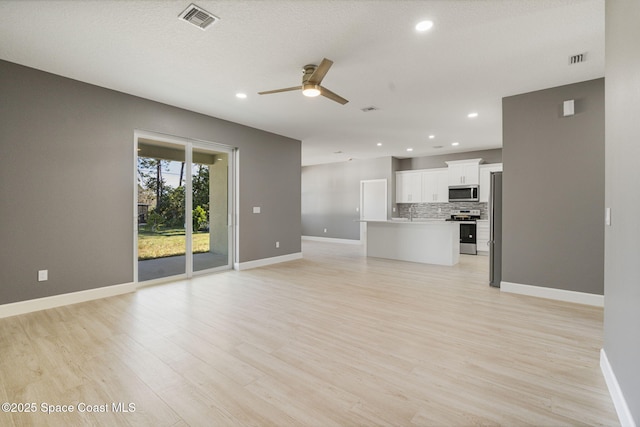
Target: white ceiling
423,83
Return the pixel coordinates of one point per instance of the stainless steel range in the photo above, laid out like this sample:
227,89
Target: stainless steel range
467,219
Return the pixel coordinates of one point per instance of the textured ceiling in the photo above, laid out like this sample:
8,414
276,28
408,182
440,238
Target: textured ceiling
423,83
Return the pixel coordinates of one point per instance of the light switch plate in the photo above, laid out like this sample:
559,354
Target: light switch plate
256,209
607,216
43,275
568,108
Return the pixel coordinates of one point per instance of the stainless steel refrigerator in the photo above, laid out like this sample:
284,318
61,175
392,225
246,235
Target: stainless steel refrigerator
495,227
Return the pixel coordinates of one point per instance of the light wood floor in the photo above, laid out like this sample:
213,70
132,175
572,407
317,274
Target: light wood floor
333,339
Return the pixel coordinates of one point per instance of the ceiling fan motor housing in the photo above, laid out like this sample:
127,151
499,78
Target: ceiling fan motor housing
307,72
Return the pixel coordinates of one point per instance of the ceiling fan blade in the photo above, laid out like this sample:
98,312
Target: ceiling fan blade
332,96
320,72
280,90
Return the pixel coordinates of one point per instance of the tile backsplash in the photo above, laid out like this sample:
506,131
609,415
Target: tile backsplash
440,210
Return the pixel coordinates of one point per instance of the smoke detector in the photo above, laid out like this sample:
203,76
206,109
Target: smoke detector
198,16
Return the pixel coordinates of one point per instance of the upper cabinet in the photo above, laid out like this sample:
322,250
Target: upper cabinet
408,187
464,172
432,185
422,186
485,179
435,186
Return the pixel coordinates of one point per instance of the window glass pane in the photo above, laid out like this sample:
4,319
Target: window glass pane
210,185
161,209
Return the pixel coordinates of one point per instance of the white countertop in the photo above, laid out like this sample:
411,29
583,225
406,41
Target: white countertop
406,221
420,221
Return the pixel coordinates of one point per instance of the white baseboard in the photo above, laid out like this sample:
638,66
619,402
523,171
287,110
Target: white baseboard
553,293
23,307
266,261
624,414
332,240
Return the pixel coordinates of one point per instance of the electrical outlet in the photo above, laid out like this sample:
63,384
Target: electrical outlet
43,275
277,244
325,230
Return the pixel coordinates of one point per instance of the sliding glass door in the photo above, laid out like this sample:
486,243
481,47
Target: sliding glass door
210,214
184,205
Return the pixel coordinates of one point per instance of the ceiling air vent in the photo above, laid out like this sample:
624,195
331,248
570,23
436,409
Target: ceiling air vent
198,16
576,59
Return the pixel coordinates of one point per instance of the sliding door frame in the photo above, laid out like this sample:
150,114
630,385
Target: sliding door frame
189,144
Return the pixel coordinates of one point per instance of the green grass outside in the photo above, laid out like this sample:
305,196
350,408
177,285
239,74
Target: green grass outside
166,243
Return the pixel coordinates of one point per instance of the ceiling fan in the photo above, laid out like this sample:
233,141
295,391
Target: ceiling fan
311,78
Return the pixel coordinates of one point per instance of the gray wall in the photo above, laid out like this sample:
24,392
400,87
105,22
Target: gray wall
66,182
331,194
433,162
553,188
622,251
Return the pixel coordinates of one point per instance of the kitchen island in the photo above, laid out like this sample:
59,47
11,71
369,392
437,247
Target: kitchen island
425,241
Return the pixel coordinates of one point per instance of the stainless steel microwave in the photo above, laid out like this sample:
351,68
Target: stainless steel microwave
463,193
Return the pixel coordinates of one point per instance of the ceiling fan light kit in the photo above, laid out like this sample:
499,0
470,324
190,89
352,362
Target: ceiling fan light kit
310,90
312,76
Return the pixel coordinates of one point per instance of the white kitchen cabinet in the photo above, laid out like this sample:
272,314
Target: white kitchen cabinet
408,187
482,235
485,180
464,172
435,186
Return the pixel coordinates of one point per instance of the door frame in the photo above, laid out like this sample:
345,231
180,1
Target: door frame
363,225
189,144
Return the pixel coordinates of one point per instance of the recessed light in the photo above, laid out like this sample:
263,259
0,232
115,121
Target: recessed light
379,144
241,95
455,144
472,115
424,25
409,149
431,136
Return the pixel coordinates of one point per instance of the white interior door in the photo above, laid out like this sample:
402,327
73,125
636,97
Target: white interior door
373,196
373,203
